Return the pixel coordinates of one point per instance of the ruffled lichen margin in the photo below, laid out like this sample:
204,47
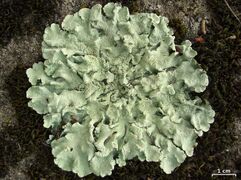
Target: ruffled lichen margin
114,87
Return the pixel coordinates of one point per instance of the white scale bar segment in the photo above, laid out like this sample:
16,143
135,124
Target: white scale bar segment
224,174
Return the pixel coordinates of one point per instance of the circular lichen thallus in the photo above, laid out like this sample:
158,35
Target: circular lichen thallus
118,87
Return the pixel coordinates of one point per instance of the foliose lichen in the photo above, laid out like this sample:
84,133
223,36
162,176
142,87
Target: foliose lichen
115,87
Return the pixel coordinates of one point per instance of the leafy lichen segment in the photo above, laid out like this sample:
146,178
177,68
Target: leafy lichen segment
113,87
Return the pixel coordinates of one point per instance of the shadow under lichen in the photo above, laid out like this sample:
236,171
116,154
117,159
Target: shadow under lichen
219,55
28,136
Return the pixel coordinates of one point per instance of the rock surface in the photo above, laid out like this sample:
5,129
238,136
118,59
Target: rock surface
23,151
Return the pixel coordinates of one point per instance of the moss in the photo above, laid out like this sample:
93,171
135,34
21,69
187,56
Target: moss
180,30
84,5
135,6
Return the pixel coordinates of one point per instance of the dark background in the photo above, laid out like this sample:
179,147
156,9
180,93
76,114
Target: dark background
23,151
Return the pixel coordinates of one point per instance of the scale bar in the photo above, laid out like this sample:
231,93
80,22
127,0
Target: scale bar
224,174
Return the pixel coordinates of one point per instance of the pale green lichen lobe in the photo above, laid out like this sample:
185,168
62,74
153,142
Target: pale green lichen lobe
115,87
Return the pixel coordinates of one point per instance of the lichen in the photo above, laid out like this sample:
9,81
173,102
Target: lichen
116,88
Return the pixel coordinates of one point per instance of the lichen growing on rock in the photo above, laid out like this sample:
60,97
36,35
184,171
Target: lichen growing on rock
116,88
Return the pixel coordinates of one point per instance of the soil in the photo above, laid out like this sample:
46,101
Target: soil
24,153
